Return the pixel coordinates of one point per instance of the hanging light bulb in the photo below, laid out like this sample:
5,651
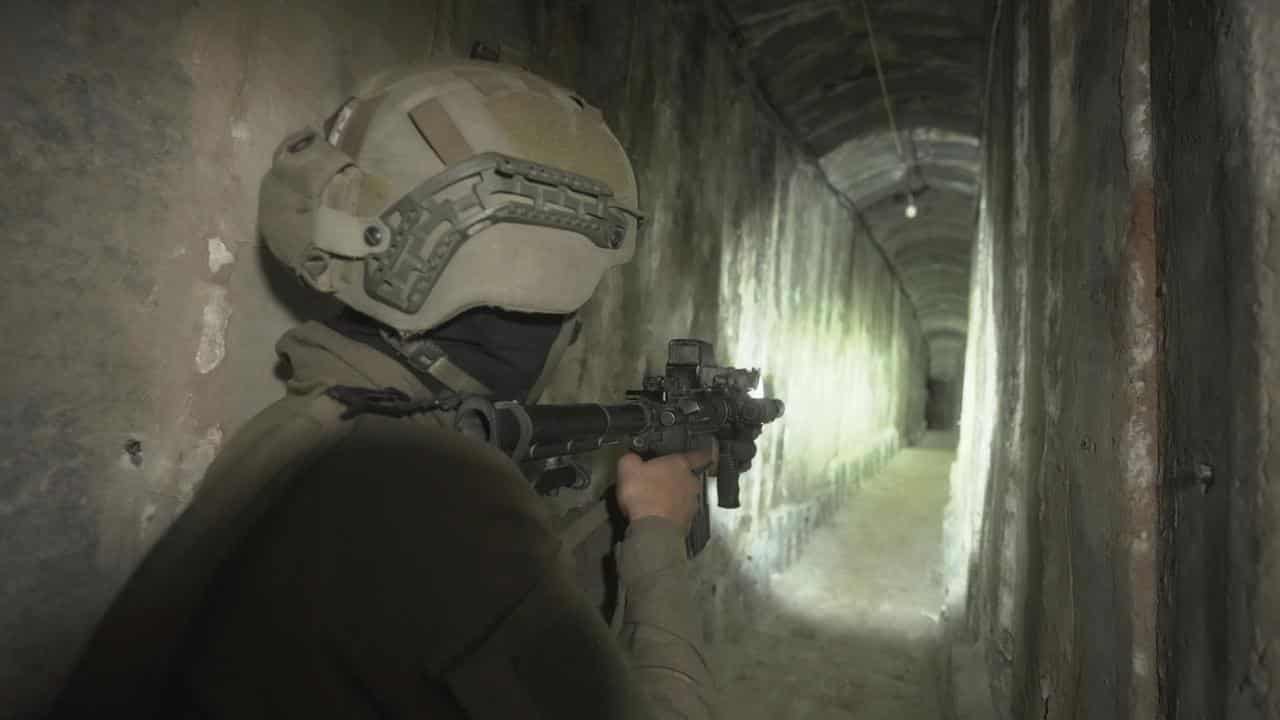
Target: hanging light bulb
912,210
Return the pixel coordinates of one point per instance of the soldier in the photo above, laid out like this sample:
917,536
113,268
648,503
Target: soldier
347,557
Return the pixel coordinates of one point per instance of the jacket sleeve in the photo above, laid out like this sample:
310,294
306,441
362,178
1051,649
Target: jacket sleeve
662,630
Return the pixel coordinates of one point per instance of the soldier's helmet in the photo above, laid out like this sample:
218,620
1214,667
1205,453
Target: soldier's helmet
449,187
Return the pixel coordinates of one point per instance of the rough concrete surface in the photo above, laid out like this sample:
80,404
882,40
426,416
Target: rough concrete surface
1056,495
1214,76
1112,505
816,65
855,627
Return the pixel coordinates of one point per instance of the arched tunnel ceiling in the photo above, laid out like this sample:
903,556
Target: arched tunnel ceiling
814,63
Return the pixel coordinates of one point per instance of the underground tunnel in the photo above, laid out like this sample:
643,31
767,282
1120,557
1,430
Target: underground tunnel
1011,265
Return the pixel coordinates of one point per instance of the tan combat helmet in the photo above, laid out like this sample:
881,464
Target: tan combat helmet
450,187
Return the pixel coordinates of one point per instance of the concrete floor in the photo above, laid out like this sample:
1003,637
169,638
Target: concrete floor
856,626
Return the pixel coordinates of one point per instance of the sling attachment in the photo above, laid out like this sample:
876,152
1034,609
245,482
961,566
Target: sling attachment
426,357
388,402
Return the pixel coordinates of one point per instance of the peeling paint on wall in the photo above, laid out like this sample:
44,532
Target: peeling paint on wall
220,255
214,318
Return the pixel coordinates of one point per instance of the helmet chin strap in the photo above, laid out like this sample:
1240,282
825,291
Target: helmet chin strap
569,332
424,356
505,351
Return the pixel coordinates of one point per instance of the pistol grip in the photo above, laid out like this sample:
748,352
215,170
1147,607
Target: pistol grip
700,531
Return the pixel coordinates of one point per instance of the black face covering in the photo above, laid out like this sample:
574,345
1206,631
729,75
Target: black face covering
504,350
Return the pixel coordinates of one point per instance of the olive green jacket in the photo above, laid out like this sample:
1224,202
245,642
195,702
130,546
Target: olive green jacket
380,567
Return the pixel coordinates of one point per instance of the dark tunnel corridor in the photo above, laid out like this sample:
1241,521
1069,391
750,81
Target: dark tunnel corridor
1011,265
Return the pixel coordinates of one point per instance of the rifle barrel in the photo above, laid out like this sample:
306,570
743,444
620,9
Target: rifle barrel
557,423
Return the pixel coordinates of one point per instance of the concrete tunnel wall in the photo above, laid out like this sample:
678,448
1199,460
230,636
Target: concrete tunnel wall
1055,492
818,64
140,309
1112,529
1218,165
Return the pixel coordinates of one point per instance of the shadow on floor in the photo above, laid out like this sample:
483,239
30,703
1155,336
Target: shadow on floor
851,629
801,669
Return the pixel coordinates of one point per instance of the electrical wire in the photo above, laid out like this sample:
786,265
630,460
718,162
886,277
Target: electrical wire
884,86
912,163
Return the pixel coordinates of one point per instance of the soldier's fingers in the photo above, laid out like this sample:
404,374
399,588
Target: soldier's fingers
629,463
701,460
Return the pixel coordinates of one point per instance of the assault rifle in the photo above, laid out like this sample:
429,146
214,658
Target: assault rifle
694,402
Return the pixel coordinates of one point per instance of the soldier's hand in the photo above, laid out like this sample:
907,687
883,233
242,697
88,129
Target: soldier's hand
663,487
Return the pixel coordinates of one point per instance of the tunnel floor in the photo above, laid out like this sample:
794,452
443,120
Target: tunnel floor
854,626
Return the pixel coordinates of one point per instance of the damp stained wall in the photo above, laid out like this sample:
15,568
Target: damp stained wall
1113,504
140,310
1214,76
1056,493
